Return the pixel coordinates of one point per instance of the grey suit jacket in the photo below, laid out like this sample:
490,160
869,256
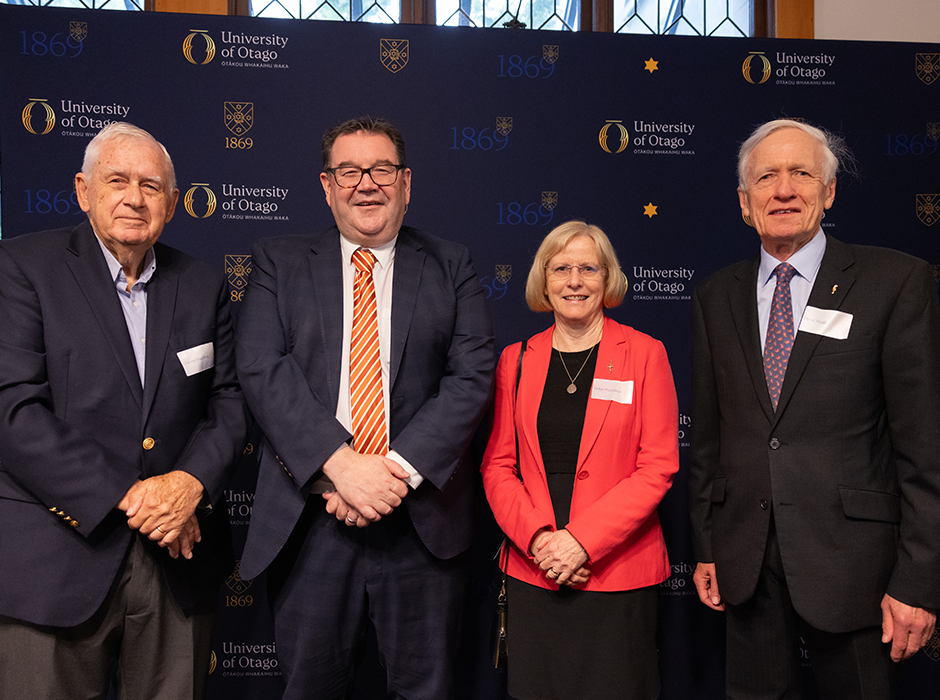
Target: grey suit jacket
849,465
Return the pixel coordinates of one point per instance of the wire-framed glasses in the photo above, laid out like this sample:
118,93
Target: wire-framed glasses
562,272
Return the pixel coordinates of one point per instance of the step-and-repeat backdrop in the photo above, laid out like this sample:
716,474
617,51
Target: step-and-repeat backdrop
509,133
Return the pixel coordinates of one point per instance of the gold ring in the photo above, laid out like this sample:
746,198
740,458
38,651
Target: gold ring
552,571
161,529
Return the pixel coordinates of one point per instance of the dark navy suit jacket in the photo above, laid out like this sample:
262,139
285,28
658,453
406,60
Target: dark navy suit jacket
849,465
289,338
75,423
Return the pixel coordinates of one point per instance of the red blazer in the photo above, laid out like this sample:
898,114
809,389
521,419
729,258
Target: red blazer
629,454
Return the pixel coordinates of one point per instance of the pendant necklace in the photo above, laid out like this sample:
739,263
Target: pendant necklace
571,387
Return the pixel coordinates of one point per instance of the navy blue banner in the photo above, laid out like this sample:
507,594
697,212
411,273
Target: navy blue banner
509,133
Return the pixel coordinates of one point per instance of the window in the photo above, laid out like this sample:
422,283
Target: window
681,17
380,11
727,18
534,14
133,5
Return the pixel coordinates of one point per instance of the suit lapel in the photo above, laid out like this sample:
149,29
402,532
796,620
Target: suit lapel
612,352
94,279
535,362
161,307
743,302
829,291
326,270
409,261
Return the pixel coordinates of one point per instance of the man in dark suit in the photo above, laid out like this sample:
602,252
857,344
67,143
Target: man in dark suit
364,520
815,466
120,422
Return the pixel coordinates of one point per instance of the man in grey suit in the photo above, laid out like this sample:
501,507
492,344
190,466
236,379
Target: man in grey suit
120,424
815,466
357,524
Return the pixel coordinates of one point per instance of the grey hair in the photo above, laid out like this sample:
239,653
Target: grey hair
835,151
123,130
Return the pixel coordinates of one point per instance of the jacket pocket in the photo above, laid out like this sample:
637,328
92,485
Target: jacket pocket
862,504
718,489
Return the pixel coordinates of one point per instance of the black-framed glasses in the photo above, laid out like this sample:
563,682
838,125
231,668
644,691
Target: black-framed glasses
562,272
348,176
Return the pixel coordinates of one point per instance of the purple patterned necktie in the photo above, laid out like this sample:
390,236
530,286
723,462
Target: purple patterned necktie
779,340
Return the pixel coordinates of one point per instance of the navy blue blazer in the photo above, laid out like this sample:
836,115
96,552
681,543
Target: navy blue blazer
849,465
289,340
74,420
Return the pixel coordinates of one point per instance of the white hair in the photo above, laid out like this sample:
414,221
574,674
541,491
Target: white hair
123,130
835,151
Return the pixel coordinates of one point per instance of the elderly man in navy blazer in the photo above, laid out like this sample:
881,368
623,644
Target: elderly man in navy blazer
120,423
359,520
815,470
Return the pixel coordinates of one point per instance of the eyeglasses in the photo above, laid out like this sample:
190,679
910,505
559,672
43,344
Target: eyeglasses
562,272
349,177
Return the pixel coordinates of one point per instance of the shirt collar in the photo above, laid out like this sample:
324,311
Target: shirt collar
806,260
384,254
117,272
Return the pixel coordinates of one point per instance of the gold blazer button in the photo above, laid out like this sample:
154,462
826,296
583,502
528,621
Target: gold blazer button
149,443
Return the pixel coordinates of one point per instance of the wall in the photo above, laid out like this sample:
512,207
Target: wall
877,20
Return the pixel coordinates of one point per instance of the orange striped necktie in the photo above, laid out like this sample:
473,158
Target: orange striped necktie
365,368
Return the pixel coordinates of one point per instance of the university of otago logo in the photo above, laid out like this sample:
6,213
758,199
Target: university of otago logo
549,53
239,117
237,269
764,75
928,208
78,31
619,131
190,200
549,200
41,109
198,36
504,125
504,273
235,582
933,130
213,662
927,66
393,53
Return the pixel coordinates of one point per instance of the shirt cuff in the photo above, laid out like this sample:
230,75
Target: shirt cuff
414,479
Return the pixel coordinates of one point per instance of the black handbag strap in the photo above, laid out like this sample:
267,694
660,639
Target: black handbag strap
514,398
503,548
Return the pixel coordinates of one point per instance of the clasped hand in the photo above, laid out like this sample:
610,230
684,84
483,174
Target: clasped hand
561,556
163,508
367,486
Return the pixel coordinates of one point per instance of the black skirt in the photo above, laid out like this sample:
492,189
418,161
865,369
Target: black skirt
582,644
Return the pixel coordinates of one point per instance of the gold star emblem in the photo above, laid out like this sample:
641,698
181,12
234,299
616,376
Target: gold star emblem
649,210
651,65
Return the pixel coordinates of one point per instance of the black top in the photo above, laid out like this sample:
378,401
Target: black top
561,422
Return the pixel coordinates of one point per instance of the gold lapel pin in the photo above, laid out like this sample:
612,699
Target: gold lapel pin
834,288
610,366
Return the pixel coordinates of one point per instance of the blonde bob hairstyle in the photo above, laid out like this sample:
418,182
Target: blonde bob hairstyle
615,285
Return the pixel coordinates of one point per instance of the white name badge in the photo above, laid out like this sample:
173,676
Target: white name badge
827,322
612,390
197,359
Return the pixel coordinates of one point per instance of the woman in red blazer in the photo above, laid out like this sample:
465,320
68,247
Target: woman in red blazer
596,417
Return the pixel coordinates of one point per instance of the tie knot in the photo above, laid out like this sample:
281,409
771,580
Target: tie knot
364,260
784,272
